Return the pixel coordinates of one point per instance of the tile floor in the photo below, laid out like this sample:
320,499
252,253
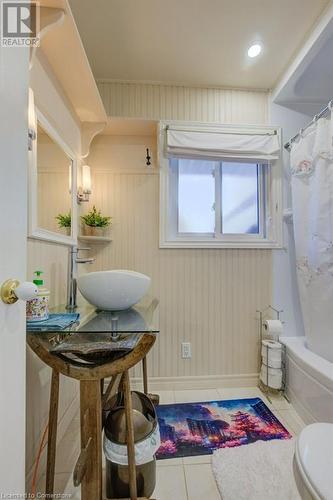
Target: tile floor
188,478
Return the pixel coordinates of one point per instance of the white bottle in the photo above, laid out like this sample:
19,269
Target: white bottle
38,308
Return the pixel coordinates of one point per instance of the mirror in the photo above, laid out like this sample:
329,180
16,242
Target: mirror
53,189
52,205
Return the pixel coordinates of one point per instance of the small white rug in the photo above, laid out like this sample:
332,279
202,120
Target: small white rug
258,471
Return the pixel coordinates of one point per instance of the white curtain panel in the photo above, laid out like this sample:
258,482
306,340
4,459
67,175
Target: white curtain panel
312,196
250,146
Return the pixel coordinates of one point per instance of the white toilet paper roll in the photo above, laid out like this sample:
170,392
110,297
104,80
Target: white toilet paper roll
271,353
273,328
271,379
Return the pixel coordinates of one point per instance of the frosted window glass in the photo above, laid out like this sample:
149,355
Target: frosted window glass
196,196
240,200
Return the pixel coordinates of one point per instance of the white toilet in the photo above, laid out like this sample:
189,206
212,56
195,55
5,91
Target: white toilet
313,462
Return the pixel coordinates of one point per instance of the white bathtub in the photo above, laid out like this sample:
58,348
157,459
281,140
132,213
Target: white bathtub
309,381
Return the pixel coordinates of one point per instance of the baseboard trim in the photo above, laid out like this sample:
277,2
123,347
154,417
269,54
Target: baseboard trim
63,423
197,382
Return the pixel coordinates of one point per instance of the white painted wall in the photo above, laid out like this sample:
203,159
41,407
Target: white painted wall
285,291
13,230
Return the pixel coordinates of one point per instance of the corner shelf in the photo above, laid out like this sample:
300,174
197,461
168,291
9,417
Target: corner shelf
95,239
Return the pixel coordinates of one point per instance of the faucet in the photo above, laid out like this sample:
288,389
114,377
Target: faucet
73,261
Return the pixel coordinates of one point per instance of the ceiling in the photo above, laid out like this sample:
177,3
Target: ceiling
196,42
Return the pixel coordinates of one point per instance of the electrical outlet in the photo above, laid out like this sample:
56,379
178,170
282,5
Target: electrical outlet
186,350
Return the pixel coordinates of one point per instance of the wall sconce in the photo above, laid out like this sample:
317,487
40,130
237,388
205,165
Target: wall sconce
85,190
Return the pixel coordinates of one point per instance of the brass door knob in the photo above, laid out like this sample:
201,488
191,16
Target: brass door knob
12,290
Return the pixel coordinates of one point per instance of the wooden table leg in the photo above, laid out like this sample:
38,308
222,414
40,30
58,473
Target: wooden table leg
145,375
154,397
91,427
52,433
130,437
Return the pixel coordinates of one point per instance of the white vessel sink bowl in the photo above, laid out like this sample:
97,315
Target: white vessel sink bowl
113,290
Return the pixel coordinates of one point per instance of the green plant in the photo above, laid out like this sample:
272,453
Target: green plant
64,220
94,218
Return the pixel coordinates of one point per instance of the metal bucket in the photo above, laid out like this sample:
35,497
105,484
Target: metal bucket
147,441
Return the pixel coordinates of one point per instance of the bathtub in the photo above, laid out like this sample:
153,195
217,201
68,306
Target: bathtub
309,381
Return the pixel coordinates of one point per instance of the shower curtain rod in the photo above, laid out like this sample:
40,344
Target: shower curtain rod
315,118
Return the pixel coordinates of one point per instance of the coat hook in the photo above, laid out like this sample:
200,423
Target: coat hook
148,158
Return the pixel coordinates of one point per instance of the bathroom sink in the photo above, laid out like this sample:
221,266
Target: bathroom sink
113,290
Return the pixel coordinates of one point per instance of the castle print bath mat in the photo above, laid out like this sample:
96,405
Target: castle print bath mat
189,429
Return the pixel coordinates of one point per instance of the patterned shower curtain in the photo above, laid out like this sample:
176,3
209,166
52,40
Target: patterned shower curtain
312,197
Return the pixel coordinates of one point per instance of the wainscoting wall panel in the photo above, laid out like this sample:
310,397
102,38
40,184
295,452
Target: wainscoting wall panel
177,102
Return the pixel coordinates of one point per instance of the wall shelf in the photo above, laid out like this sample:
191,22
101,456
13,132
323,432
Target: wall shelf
95,239
63,49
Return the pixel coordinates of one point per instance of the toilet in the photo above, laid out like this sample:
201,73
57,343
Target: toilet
313,462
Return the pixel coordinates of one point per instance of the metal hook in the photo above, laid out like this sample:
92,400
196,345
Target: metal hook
148,158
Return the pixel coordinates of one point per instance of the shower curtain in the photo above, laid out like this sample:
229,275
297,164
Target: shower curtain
312,197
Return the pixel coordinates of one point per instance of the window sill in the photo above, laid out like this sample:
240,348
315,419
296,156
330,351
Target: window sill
263,244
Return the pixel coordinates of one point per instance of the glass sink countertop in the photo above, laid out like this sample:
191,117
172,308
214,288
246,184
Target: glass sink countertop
141,318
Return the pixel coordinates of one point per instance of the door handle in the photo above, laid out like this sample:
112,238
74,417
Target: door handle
12,290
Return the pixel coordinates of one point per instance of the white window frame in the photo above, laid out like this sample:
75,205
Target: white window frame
270,200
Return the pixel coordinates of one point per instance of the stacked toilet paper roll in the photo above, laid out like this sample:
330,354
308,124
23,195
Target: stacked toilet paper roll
271,369
271,352
273,328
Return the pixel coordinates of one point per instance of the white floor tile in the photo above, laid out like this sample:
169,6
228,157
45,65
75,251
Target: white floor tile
280,403
196,395
167,462
200,482
243,393
239,392
170,483
201,459
291,420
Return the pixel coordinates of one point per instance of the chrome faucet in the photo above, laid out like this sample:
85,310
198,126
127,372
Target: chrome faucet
73,261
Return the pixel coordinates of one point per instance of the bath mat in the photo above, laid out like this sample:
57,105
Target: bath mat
260,471
189,429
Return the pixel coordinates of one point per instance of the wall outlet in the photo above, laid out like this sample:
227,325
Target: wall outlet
186,350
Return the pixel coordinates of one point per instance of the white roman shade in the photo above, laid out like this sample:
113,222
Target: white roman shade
244,145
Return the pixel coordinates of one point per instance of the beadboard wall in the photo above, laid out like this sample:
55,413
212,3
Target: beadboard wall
177,102
208,297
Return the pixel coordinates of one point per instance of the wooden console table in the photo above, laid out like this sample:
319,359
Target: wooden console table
91,370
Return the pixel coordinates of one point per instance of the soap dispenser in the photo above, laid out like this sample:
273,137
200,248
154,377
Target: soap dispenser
38,308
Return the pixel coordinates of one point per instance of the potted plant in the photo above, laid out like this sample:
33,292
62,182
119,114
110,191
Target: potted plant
94,223
65,222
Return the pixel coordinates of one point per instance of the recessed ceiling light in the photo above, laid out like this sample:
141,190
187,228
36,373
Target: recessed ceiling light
254,50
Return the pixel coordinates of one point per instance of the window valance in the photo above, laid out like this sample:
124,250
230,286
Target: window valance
238,144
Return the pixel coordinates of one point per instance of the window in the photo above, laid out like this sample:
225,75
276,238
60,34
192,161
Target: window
219,202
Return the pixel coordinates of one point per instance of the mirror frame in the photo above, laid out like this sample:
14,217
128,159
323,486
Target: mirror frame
34,231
